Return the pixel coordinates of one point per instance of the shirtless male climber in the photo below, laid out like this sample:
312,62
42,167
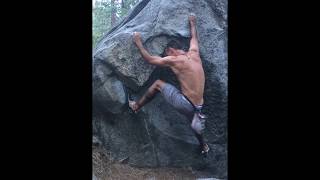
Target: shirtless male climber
187,66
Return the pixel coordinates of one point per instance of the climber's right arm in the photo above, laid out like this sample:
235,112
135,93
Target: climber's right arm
194,46
155,60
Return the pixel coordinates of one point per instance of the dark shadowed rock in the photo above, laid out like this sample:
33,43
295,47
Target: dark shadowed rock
108,91
111,95
158,135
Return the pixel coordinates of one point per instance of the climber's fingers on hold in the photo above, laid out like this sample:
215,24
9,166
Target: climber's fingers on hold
136,34
192,17
136,37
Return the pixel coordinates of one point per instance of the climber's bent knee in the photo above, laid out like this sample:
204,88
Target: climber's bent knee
158,84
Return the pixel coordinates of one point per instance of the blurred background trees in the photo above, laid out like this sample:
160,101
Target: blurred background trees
106,14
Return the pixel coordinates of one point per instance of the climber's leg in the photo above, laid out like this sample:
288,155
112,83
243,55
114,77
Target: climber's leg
200,138
204,146
174,97
148,96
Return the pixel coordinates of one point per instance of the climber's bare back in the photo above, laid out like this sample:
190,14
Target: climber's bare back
189,71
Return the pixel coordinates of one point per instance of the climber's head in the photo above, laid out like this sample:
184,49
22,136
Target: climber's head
174,52
174,48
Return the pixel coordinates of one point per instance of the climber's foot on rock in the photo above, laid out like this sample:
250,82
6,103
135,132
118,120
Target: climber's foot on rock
205,149
133,105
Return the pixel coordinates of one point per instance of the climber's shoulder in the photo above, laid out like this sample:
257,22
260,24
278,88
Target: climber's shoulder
171,60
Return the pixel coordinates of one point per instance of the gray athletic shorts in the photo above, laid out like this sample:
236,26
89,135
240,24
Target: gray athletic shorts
173,96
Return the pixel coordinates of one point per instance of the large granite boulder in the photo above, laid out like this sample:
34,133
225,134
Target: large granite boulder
158,135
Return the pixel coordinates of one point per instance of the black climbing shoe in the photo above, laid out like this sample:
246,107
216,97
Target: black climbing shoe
129,100
205,149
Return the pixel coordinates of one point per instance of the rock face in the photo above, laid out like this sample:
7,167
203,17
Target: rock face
158,135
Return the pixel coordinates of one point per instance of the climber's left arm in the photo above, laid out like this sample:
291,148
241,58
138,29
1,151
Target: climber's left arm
155,60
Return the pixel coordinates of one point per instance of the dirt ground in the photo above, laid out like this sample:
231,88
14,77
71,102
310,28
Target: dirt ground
106,169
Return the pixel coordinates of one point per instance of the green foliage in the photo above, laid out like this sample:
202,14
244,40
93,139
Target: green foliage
101,14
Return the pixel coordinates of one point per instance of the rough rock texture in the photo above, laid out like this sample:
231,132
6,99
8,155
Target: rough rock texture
158,135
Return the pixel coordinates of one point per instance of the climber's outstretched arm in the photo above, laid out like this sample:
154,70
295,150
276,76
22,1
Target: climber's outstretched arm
194,46
156,60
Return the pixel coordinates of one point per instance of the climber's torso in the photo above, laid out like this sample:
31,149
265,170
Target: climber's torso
189,71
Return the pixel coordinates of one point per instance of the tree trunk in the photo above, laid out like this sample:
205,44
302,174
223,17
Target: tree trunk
113,13
122,4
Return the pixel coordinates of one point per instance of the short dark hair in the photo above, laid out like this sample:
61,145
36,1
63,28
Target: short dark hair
175,44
